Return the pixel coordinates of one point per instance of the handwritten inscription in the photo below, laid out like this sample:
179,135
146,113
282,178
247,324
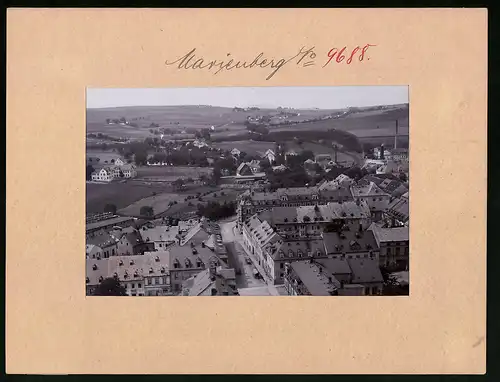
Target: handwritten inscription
304,58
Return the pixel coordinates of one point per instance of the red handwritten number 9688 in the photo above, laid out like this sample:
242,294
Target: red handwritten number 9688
340,55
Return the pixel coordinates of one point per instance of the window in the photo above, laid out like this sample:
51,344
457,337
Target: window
134,294
176,276
397,251
153,280
133,286
281,265
139,285
146,281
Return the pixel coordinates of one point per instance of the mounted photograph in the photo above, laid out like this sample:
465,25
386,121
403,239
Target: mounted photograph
247,191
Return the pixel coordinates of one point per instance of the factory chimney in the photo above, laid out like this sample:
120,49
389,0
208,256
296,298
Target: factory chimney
396,136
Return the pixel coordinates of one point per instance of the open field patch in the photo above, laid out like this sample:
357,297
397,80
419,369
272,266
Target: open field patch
119,194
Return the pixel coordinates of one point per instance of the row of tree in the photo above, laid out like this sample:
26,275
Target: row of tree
215,210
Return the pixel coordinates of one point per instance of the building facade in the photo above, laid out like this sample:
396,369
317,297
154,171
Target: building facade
252,202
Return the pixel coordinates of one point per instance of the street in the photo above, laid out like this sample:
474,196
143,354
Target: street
236,258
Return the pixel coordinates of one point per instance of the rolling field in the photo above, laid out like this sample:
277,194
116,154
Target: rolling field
169,173
159,202
119,194
186,201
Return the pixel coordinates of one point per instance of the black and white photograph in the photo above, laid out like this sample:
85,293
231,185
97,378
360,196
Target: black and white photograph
247,191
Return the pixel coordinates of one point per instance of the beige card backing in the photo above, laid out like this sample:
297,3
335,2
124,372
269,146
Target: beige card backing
53,55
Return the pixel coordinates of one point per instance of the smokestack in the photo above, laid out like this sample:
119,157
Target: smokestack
396,136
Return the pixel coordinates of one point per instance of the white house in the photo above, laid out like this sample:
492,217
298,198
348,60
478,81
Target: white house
119,162
270,155
105,174
129,170
235,152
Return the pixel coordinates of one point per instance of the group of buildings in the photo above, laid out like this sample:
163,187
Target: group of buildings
118,169
156,260
331,239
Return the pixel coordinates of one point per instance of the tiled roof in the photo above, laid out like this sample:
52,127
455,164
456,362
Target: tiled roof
349,241
187,257
128,268
316,283
160,233
338,266
102,240
297,249
326,212
400,209
365,271
200,284
390,234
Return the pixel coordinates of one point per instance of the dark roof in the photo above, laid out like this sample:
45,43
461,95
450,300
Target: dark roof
400,209
134,237
102,240
349,241
338,266
316,283
365,271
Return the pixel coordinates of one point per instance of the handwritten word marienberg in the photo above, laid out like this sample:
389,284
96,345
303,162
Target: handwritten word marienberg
191,61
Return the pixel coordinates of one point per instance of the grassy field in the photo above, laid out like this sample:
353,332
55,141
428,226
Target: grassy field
186,201
177,118
119,194
159,203
169,173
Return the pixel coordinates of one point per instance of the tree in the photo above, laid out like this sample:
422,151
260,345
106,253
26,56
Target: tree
110,208
178,183
88,172
110,287
123,119
112,161
403,177
141,158
147,211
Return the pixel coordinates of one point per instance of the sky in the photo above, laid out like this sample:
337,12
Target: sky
334,97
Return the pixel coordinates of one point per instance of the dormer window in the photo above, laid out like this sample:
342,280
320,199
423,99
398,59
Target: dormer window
131,262
157,258
162,269
115,275
94,267
87,280
120,262
136,274
101,278
125,276
151,270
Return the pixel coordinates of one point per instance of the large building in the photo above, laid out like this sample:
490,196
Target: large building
286,234
141,275
377,200
251,202
214,281
107,224
333,277
398,212
394,244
